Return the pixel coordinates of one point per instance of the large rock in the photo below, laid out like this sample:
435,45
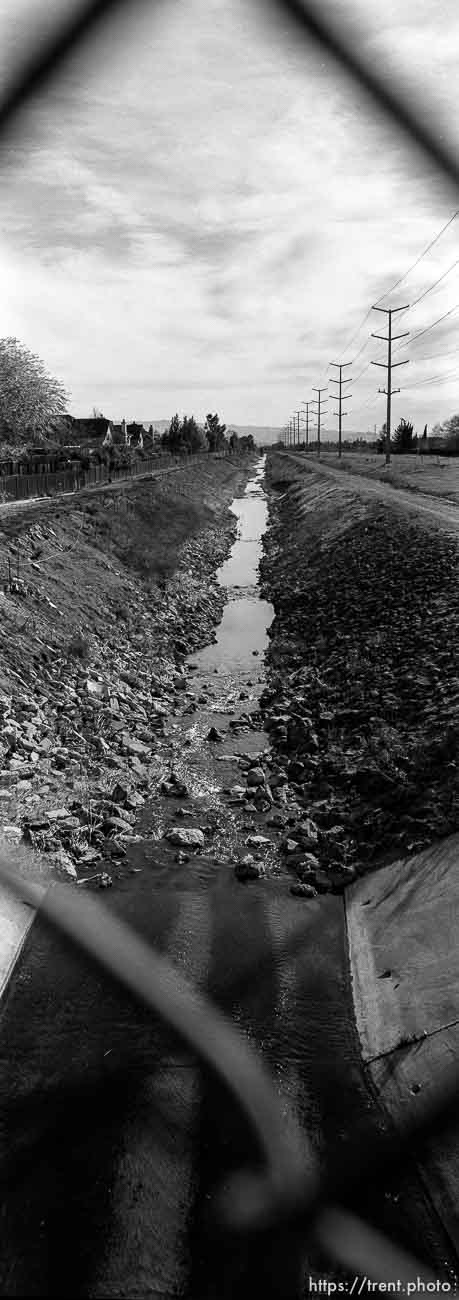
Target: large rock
134,747
62,861
186,837
173,788
248,868
214,735
255,776
306,832
303,890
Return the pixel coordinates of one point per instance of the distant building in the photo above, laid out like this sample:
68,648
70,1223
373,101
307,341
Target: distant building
118,432
135,434
80,431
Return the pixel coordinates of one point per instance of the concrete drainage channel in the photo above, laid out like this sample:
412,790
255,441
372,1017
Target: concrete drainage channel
209,823
212,825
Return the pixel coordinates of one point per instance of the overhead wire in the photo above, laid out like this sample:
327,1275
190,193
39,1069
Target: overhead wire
400,281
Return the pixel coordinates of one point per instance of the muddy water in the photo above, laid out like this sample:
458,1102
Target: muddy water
225,680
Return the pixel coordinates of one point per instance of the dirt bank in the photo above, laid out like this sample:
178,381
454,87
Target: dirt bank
102,597
361,703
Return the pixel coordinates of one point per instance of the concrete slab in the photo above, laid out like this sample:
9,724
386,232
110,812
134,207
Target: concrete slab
15,921
404,954
405,1081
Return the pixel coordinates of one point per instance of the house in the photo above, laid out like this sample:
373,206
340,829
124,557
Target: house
135,434
118,434
129,435
80,431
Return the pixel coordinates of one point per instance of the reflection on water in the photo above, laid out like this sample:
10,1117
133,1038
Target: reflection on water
246,618
242,630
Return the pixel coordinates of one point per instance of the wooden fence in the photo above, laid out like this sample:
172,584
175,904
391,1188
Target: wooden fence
22,487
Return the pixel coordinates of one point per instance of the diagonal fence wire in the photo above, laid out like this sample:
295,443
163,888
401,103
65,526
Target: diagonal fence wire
288,1190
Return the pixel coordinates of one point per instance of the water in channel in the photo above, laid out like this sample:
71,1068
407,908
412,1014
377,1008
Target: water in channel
225,680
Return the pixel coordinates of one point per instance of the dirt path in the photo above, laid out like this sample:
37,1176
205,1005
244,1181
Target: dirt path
444,512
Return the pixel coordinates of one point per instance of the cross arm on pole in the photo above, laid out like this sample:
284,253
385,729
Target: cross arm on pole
388,310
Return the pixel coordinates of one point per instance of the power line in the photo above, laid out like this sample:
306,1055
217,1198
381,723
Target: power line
362,349
421,296
432,326
434,285
434,379
357,332
419,259
433,356
400,281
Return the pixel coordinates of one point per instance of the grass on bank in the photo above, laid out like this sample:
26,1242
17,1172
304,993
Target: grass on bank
146,534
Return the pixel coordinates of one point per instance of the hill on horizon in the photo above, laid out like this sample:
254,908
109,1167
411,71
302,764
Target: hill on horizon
265,433
260,432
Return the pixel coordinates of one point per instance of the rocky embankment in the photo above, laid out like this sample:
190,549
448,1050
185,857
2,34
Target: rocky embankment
101,600
362,684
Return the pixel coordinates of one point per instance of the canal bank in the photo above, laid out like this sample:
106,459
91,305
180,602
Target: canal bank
102,602
361,701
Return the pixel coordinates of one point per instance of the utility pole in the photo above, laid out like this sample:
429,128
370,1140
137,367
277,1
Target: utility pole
307,405
340,365
389,366
297,414
317,402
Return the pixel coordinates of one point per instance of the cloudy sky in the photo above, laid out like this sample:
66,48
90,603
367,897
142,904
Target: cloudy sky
201,211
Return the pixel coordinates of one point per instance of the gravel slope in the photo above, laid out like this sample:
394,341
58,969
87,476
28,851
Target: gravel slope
362,672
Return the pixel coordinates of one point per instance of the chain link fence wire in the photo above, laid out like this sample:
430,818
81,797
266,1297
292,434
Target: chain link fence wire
288,1192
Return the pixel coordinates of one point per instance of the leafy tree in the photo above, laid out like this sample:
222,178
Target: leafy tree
172,438
451,432
193,438
233,440
29,397
215,432
404,437
184,436
247,443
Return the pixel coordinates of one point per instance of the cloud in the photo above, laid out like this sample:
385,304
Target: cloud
201,207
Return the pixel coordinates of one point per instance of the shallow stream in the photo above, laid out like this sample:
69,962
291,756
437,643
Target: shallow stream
225,682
